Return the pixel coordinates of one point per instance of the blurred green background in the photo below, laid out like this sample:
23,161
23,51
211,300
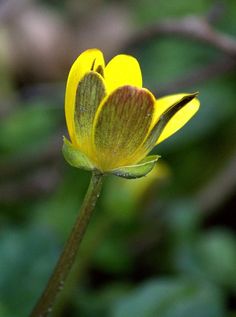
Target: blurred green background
161,246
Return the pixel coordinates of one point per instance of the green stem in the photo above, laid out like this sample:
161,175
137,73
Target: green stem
56,282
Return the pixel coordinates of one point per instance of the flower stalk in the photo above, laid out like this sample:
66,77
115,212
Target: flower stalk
56,282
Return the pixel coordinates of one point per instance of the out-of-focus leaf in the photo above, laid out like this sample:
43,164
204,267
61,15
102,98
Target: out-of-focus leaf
217,256
27,128
113,255
27,259
62,208
147,11
172,298
122,198
3,311
183,220
92,303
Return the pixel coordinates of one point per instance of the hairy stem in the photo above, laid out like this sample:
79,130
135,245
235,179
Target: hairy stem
56,282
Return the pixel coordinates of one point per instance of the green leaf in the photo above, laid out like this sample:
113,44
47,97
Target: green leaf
138,170
176,297
74,157
27,128
217,253
28,257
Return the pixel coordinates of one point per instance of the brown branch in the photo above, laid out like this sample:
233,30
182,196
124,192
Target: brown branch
197,76
41,182
193,28
13,166
219,189
39,172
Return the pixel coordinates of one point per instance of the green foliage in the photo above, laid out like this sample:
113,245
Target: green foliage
217,257
27,258
163,245
27,129
172,298
152,10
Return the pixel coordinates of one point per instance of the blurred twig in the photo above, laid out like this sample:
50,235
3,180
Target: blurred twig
216,11
41,182
198,76
40,172
219,189
28,161
193,28
10,8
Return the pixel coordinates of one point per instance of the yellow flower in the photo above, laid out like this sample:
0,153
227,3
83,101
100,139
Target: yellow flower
113,122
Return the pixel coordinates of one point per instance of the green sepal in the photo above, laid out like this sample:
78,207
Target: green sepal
74,157
138,170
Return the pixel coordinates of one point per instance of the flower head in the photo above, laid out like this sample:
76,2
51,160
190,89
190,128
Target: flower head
113,122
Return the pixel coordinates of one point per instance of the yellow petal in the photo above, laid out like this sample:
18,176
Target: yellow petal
88,60
90,92
179,119
156,130
122,70
121,125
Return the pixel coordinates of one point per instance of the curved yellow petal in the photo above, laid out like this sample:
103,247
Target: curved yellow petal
122,70
121,125
91,59
179,119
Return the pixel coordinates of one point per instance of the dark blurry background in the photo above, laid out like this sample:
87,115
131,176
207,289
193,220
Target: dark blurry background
161,246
